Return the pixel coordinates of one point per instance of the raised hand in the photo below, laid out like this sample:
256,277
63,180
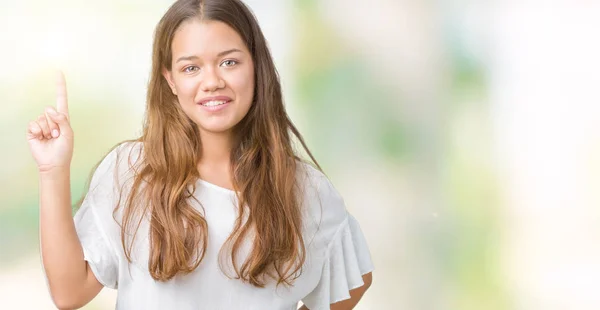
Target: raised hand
50,136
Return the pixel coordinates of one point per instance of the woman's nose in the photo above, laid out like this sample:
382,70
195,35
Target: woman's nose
211,81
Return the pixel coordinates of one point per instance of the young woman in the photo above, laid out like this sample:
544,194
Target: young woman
210,208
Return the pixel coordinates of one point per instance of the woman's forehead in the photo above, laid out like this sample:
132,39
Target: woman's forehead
205,39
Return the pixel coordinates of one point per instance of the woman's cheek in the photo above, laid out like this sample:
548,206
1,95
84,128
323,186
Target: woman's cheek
245,83
187,87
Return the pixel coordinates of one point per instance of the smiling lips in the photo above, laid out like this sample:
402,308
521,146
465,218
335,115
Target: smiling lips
214,101
214,104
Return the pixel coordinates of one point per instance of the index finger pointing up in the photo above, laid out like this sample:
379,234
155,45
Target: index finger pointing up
62,105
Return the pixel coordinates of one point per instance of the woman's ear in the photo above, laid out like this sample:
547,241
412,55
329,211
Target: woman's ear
167,75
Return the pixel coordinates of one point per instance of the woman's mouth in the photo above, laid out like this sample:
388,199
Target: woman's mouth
215,105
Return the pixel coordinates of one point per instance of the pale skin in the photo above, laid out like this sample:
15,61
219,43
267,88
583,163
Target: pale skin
210,59
227,69
72,283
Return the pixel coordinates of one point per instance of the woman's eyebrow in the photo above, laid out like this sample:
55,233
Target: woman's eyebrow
221,54
233,50
186,58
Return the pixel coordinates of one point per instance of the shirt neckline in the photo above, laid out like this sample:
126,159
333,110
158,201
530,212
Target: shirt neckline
219,188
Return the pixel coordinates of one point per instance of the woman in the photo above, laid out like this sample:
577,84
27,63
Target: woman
210,208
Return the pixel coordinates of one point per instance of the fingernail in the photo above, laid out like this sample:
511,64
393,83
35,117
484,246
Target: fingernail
51,111
55,133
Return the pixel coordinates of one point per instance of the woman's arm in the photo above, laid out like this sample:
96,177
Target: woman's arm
50,138
355,295
71,282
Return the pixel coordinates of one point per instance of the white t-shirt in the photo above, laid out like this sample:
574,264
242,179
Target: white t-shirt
336,251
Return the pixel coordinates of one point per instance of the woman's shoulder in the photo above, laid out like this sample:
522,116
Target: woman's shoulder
127,152
322,202
120,163
126,155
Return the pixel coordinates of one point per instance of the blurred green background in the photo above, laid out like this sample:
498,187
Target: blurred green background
463,135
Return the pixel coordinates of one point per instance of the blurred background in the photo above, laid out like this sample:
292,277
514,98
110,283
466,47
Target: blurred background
463,135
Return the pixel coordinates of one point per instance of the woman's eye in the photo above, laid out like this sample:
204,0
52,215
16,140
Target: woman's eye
190,69
229,63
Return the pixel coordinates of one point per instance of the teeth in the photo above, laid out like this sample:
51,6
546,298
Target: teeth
213,103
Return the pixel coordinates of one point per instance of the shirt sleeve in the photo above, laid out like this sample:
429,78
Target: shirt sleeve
94,222
347,256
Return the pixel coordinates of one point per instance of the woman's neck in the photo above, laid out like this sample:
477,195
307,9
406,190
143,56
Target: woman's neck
214,165
216,148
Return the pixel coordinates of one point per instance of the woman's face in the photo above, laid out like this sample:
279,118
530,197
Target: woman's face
212,75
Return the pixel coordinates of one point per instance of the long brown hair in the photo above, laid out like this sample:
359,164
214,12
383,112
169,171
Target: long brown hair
263,160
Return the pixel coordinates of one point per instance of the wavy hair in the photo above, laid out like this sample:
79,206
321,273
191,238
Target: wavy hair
263,160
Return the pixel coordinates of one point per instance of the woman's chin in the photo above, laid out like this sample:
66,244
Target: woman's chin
215,129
